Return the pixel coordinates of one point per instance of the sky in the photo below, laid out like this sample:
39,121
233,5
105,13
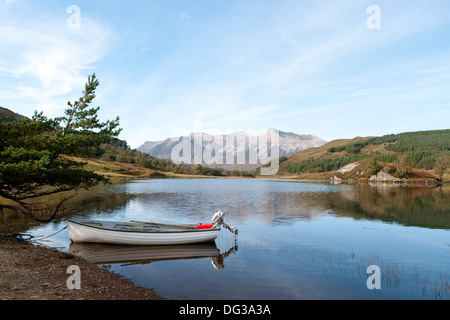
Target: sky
335,69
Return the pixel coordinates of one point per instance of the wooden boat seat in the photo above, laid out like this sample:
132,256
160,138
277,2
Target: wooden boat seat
125,227
154,228
95,224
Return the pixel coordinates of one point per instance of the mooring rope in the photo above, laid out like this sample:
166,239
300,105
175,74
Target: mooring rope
41,238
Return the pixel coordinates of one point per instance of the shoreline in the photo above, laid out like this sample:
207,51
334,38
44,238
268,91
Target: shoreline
37,272
129,172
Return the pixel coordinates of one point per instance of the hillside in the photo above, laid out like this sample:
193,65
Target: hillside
424,147
322,151
321,159
8,115
403,153
118,170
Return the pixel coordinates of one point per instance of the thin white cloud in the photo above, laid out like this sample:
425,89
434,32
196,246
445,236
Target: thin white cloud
185,16
5,4
45,58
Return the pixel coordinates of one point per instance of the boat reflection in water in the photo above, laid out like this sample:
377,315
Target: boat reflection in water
130,255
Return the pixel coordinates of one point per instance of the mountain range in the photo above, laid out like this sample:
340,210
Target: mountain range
235,151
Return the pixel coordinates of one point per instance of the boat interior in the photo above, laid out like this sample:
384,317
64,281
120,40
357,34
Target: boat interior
138,226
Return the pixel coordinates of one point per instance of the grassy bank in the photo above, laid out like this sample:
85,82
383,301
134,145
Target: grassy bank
118,171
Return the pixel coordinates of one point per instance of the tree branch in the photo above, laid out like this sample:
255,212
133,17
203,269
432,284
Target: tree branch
29,211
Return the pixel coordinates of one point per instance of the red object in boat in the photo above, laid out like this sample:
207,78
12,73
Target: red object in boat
204,226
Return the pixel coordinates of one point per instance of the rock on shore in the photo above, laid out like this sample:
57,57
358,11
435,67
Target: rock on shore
354,173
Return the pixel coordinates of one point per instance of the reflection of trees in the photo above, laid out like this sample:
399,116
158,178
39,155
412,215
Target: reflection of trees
416,206
412,206
98,199
274,204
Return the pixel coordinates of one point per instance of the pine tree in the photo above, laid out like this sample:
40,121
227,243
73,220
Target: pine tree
35,157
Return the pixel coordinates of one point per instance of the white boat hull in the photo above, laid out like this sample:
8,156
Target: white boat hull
80,232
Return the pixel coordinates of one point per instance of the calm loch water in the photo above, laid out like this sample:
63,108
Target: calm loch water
297,240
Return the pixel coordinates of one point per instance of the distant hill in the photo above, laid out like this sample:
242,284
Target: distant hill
320,159
322,151
8,115
422,146
421,149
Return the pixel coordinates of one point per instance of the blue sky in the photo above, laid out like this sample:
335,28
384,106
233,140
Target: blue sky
168,68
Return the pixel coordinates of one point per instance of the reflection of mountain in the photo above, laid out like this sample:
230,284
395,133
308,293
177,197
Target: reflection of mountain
285,208
411,206
241,200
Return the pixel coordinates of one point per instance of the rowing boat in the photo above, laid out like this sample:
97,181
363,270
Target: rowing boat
144,233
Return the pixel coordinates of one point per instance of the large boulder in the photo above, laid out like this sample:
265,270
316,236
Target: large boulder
384,177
